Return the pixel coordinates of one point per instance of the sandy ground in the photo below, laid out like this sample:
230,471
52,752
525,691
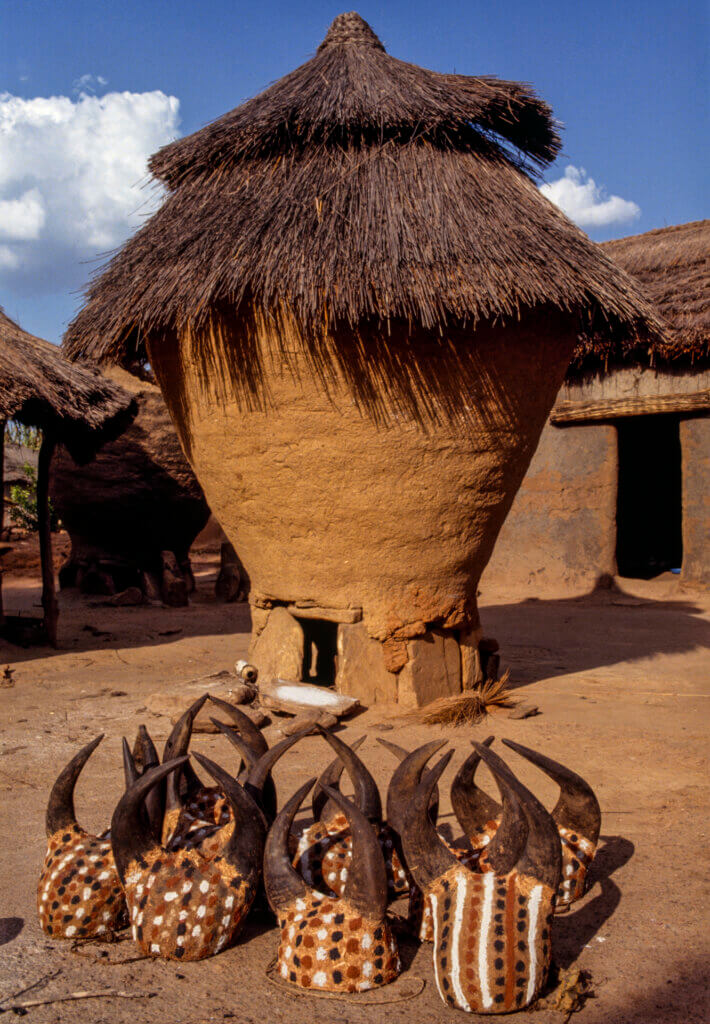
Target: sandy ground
620,679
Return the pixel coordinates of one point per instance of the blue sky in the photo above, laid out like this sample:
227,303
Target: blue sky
628,80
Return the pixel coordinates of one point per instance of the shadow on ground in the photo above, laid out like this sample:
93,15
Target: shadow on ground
534,634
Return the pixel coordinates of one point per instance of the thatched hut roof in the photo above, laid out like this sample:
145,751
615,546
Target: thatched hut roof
357,189
672,266
73,403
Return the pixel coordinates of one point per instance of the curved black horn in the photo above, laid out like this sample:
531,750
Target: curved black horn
366,793
131,835
60,806
577,808
177,745
245,847
405,780
541,854
259,783
400,753
322,807
508,845
426,856
282,882
155,800
248,757
472,807
248,730
130,772
366,884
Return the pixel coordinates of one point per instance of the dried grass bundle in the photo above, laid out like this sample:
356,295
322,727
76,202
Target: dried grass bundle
39,387
359,189
468,707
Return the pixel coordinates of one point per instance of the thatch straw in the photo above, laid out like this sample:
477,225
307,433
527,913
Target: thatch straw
468,707
359,191
71,403
672,266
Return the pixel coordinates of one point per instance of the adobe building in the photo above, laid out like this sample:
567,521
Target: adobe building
620,481
360,309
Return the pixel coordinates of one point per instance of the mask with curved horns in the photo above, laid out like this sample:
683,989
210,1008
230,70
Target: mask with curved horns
334,943
184,905
79,895
491,925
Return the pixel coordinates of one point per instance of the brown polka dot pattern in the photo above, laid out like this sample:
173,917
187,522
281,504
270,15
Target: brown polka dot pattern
186,906
326,945
491,939
324,853
577,856
79,895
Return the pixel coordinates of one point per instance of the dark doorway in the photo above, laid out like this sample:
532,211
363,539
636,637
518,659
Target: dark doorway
320,651
649,537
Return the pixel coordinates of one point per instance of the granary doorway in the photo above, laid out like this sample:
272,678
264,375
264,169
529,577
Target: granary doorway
649,537
320,651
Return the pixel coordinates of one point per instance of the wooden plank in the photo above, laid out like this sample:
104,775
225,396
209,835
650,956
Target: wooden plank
49,596
613,408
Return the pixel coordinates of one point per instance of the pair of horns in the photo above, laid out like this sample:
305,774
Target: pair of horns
577,808
132,837
526,839
366,795
401,785
366,885
258,757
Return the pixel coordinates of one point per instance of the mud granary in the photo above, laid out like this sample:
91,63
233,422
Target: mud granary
360,309
620,482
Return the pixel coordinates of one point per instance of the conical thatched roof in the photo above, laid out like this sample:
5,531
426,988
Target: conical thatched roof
672,266
73,403
357,189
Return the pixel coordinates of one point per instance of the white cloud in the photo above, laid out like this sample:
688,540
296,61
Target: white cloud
23,218
89,83
587,203
71,173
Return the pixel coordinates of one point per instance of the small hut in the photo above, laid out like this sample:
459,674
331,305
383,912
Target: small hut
360,308
619,483
70,403
133,512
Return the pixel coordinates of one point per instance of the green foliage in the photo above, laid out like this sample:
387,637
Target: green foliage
23,498
18,433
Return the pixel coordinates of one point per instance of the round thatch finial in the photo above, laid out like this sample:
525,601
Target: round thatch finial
351,28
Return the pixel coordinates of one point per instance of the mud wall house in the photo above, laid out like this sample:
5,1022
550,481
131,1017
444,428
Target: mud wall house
133,511
620,481
71,404
360,309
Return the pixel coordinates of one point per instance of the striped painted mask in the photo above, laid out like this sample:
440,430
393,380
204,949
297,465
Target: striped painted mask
491,925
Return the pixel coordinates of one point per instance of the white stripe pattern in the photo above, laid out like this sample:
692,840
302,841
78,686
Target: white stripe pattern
533,914
489,881
461,889
433,904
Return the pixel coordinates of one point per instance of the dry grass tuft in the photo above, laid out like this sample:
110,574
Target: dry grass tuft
469,707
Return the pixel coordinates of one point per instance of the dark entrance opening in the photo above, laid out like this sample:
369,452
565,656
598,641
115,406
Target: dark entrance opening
649,537
320,651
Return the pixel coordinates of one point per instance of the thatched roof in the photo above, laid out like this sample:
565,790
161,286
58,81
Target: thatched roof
672,266
357,189
72,402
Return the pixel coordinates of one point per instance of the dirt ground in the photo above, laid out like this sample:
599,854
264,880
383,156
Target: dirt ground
620,679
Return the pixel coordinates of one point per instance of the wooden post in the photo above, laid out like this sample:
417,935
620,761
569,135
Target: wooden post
49,597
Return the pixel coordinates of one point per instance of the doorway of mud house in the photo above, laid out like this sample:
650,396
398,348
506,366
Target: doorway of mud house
320,651
649,532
